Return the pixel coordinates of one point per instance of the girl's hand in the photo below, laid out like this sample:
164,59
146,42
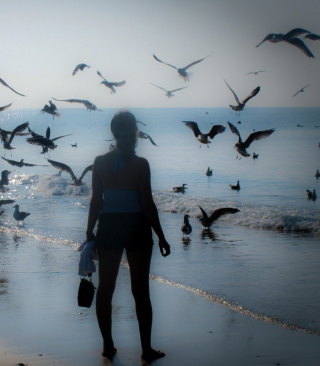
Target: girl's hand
164,247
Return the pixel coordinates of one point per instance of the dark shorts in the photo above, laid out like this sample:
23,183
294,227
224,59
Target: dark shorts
130,230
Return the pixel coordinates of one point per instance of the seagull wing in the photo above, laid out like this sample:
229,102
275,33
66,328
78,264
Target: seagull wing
40,141
144,135
215,130
5,84
159,87
222,211
164,62
62,167
12,162
56,138
52,105
87,169
99,73
19,128
177,89
194,127
297,42
69,100
193,63
312,36
5,107
234,130
295,33
5,202
204,214
251,95
120,83
48,133
76,69
234,94
259,135
27,164
33,134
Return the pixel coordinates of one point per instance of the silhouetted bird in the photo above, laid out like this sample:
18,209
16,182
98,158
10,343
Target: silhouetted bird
300,91
65,168
19,216
186,227
181,188
203,137
110,84
5,107
6,202
4,181
182,71
241,146
51,109
311,195
317,175
80,67
20,163
312,37
144,135
236,187
291,38
74,145
240,105
169,93
5,84
209,172
254,72
255,156
207,221
90,106
7,140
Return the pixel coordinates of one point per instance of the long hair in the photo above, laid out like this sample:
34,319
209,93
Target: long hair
124,129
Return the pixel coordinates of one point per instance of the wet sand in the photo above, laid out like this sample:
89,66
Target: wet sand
41,323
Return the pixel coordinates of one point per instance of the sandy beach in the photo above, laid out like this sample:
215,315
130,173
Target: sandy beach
41,323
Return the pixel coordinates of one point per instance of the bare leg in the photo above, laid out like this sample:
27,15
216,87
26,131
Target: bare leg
109,262
139,264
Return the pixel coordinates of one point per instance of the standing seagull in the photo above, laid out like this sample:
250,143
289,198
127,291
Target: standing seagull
182,71
65,168
203,137
169,92
240,105
5,107
90,106
241,146
51,109
80,67
19,216
110,84
5,84
207,221
291,38
300,91
186,228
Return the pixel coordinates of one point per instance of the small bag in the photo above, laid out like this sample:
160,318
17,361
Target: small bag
85,293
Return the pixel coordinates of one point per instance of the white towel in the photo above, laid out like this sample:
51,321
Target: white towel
86,263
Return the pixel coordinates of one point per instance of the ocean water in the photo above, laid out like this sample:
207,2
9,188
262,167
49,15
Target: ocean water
262,261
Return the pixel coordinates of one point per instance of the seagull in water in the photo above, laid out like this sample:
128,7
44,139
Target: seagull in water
169,93
203,137
300,91
255,156
19,216
20,163
236,187
181,188
311,195
317,175
182,71
5,107
90,106
240,105
5,84
186,227
65,168
51,109
291,38
209,172
207,221
80,67
241,146
110,84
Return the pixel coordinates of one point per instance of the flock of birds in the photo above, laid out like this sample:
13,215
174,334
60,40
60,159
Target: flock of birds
47,143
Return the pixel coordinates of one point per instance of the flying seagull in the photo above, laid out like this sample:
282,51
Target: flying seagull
45,142
254,72
203,137
65,168
19,216
20,163
5,107
5,84
182,71
291,38
110,84
241,146
240,105
144,135
80,67
186,227
51,109
169,93
300,91
90,106
7,140
207,221
312,36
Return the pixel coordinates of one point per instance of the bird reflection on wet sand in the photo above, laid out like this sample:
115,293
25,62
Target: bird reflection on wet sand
208,234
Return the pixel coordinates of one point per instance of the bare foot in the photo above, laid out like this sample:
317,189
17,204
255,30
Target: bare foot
151,355
109,353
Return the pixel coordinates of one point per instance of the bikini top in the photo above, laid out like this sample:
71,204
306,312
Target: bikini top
118,200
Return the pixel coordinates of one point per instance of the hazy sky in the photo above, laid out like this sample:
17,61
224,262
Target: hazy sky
42,42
